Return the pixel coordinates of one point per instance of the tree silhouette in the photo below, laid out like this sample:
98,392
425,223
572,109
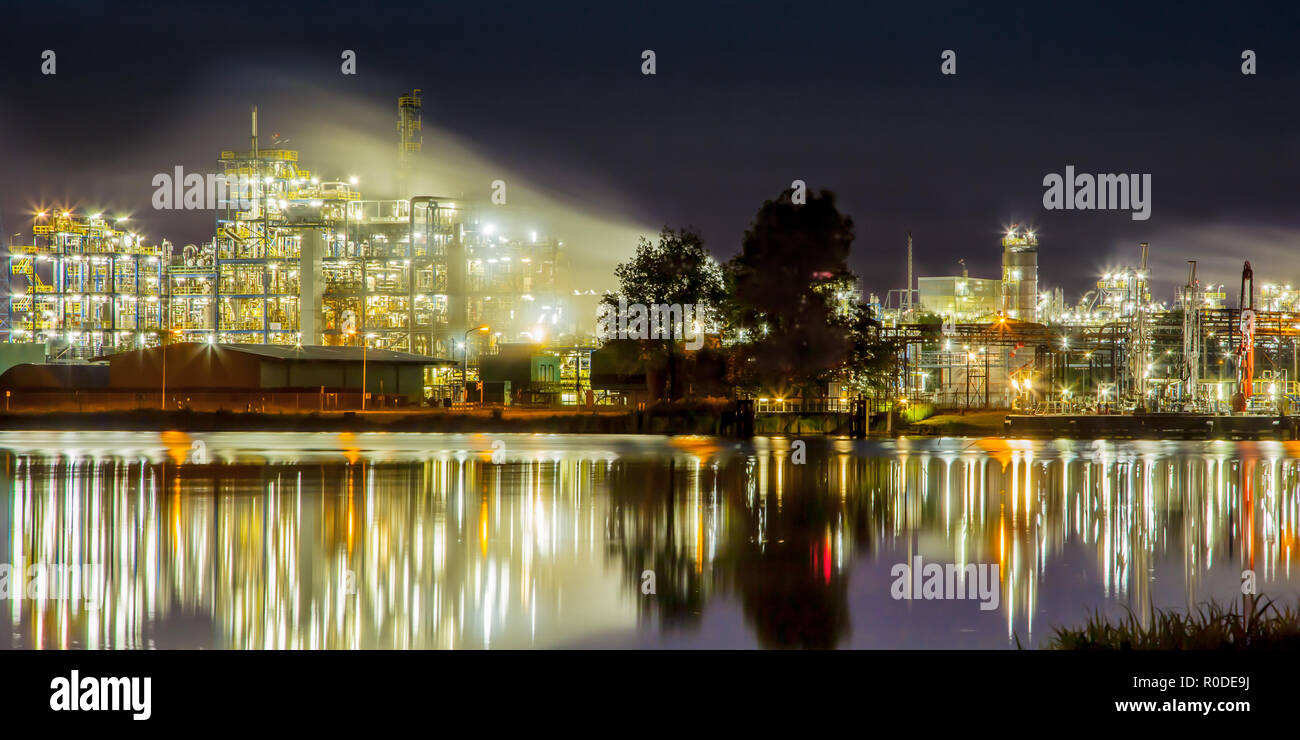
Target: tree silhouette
792,306
675,270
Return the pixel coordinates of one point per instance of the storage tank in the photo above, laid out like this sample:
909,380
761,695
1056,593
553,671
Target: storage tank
1020,274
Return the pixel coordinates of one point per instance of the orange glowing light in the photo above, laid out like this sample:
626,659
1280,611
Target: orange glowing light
178,445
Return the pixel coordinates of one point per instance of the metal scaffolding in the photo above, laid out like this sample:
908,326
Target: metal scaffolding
84,286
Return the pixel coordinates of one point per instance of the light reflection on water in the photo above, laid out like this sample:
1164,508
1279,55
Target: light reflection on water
277,540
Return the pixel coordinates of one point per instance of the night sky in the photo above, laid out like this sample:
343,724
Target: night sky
747,97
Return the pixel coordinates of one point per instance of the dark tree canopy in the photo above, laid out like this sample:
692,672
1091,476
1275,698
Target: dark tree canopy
792,302
789,303
676,269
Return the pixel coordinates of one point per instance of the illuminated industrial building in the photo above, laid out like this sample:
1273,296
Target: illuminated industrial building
84,285
960,297
1117,349
963,298
295,260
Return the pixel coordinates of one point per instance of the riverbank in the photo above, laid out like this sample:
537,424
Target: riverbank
669,419
552,421
701,419
1152,426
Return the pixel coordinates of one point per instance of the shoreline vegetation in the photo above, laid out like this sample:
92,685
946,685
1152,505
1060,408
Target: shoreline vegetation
1258,624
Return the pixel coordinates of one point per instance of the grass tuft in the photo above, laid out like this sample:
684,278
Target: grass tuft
1258,625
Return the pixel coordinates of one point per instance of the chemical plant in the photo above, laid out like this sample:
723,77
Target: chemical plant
300,260
295,259
983,343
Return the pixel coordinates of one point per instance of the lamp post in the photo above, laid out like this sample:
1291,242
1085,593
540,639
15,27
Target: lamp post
464,367
365,345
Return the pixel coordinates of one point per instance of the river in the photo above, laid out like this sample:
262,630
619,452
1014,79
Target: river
323,540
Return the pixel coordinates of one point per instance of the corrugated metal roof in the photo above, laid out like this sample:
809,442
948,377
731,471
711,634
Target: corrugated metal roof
316,353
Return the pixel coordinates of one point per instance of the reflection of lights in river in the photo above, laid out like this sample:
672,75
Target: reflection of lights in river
283,544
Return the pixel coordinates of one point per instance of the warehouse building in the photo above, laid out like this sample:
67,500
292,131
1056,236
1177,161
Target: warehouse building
55,376
532,377
267,367
960,297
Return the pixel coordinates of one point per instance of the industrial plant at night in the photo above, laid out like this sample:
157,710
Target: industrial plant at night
985,343
298,259
968,336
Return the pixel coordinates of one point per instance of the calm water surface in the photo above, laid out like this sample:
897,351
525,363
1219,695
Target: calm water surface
274,540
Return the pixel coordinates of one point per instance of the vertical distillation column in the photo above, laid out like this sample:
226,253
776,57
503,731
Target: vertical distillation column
409,138
265,240
457,280
415,261
1020,274
61,265
1192,334
112,300
137,325
311,248
1138,344
268,270
907,307
1246,350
